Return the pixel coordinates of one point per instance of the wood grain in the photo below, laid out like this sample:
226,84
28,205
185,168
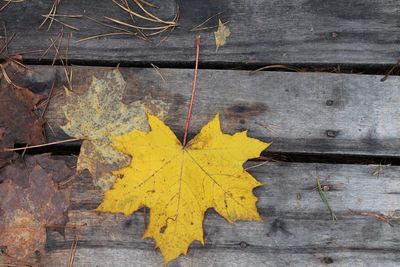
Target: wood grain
317,113
297,228
263,32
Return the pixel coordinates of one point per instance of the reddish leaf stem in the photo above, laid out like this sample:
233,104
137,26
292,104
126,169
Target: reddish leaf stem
196,69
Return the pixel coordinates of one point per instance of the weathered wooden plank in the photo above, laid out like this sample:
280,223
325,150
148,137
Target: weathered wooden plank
295,31
299,112
121,257
297,228
289,190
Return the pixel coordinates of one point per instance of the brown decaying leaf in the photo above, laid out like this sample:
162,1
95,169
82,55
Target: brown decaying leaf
18,123
17,117
29,200
5,157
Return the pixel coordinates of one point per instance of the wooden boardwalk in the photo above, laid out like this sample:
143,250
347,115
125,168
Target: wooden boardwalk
338,123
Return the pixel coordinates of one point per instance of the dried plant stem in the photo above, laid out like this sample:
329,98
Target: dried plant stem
196,69
42,145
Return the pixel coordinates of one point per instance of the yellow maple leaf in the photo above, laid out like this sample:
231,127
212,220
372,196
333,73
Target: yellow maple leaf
179,183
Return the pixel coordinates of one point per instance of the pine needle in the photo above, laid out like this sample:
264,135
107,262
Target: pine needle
107,25
103,35
51,14
37,146
48,100
63,23
384,218
147,16
157,69
137,14
138,27
153,16
323,196
257,165
120,31
7,43
8,2
149,4
276,67
207,20
73,252
125,2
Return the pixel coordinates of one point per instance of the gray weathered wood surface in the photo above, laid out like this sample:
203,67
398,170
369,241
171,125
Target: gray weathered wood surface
295,31
300,112
298,230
